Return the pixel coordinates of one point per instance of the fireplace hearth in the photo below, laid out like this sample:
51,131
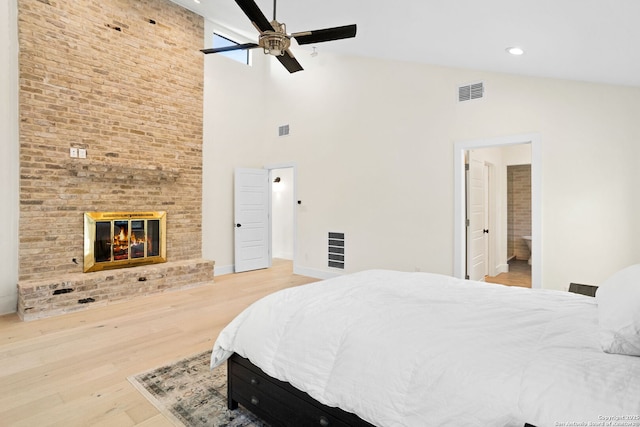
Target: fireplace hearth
123,239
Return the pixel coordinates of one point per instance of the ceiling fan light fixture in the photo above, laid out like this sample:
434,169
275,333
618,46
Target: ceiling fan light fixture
274,39
515,50
275,42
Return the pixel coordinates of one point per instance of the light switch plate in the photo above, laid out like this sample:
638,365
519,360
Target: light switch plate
73,152
82,153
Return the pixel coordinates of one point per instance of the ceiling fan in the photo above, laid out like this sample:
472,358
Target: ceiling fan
275,40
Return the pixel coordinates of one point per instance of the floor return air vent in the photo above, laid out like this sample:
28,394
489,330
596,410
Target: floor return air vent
336,250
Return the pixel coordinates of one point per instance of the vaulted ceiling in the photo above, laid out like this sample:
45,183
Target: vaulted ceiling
585,40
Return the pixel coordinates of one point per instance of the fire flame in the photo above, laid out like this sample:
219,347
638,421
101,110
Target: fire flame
121,238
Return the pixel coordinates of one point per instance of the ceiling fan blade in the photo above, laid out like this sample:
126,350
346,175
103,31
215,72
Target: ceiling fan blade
325,35
255,15
290,63
230,48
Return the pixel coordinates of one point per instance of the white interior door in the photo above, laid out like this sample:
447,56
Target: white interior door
487,229
476,228
251,210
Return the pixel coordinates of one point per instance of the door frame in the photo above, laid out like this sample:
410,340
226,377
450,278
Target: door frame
460,245
289,165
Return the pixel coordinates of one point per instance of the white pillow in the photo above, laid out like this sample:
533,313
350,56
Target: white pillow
618,301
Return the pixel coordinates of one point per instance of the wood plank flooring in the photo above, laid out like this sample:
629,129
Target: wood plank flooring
519,275
72,370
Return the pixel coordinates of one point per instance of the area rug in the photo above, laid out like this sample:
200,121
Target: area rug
190,395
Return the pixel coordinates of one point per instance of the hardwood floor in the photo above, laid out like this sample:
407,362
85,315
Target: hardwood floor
519,275
72,370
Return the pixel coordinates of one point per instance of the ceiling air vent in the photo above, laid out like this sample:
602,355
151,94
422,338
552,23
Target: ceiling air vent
470,92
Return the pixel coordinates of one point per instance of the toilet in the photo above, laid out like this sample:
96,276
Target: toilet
528,240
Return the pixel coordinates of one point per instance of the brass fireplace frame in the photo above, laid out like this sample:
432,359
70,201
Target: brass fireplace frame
90,220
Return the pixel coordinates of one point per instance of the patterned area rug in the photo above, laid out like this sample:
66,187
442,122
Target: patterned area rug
190,395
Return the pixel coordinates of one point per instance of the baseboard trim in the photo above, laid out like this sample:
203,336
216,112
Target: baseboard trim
316,274
502,268
225,269
9,303
303,271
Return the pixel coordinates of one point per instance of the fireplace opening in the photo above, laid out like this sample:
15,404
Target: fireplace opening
123,239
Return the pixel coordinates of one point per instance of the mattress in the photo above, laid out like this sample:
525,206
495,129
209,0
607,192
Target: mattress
420,349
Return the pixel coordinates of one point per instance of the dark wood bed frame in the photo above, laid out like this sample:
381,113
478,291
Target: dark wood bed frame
278,402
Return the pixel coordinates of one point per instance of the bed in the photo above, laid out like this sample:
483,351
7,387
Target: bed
390,348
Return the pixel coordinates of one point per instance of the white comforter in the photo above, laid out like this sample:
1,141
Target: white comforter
419,349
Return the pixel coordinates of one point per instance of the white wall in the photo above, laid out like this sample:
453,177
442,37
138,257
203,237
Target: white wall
234,126
519,154
9,155
373,141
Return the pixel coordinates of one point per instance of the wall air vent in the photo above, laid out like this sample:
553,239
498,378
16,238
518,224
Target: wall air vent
470,92
283,130
336,250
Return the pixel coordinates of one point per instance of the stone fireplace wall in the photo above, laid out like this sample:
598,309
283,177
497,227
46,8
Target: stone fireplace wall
123,80
101,76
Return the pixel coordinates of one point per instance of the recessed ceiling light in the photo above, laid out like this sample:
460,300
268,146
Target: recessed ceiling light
515,50
197,1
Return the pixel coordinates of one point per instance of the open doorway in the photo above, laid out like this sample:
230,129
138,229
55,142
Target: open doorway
499,214
496,224
264,199
282,215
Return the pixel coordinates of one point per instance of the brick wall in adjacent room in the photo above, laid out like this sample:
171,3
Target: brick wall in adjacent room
122,79
519,210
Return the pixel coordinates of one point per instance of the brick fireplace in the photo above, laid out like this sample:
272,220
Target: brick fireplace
110,120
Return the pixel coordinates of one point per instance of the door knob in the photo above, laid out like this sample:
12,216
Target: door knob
486,231
238,225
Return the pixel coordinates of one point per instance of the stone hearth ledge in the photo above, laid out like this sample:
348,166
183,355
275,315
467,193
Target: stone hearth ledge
68,293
